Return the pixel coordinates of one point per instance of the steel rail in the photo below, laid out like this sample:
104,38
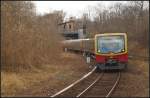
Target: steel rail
97,79
71,85
113,88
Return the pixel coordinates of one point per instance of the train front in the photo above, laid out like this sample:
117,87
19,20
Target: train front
111,51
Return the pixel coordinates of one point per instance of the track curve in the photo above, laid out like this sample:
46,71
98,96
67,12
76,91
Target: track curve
105,86
75,83
92,85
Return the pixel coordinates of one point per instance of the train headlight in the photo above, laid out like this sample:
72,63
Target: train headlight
122,50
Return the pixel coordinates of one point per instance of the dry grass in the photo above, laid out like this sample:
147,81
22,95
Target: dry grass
14,82
135,81
50,79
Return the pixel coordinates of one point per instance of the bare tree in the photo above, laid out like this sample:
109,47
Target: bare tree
28,40
131,17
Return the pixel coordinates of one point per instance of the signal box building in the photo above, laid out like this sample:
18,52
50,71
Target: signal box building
72,29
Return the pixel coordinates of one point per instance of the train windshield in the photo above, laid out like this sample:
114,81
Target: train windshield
114,44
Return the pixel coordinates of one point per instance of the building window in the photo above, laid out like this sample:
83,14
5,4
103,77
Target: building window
64,26
69,26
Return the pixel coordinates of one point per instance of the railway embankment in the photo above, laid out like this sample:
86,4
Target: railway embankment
46,81
70,67
135,81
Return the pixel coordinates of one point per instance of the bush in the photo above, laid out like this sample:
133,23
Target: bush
27,40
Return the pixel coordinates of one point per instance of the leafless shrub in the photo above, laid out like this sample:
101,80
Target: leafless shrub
27,40
131,17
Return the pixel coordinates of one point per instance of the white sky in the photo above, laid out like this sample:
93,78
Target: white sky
72,8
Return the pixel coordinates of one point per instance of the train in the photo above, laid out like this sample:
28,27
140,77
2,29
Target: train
109,50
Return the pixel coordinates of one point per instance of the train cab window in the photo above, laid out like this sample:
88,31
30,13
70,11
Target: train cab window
113,44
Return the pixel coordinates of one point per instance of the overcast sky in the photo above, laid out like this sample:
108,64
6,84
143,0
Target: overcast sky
72,8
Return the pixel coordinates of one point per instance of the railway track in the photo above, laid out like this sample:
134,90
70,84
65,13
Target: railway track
92,85
104,86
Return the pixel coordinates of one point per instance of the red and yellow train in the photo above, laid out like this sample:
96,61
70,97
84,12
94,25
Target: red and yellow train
109,50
